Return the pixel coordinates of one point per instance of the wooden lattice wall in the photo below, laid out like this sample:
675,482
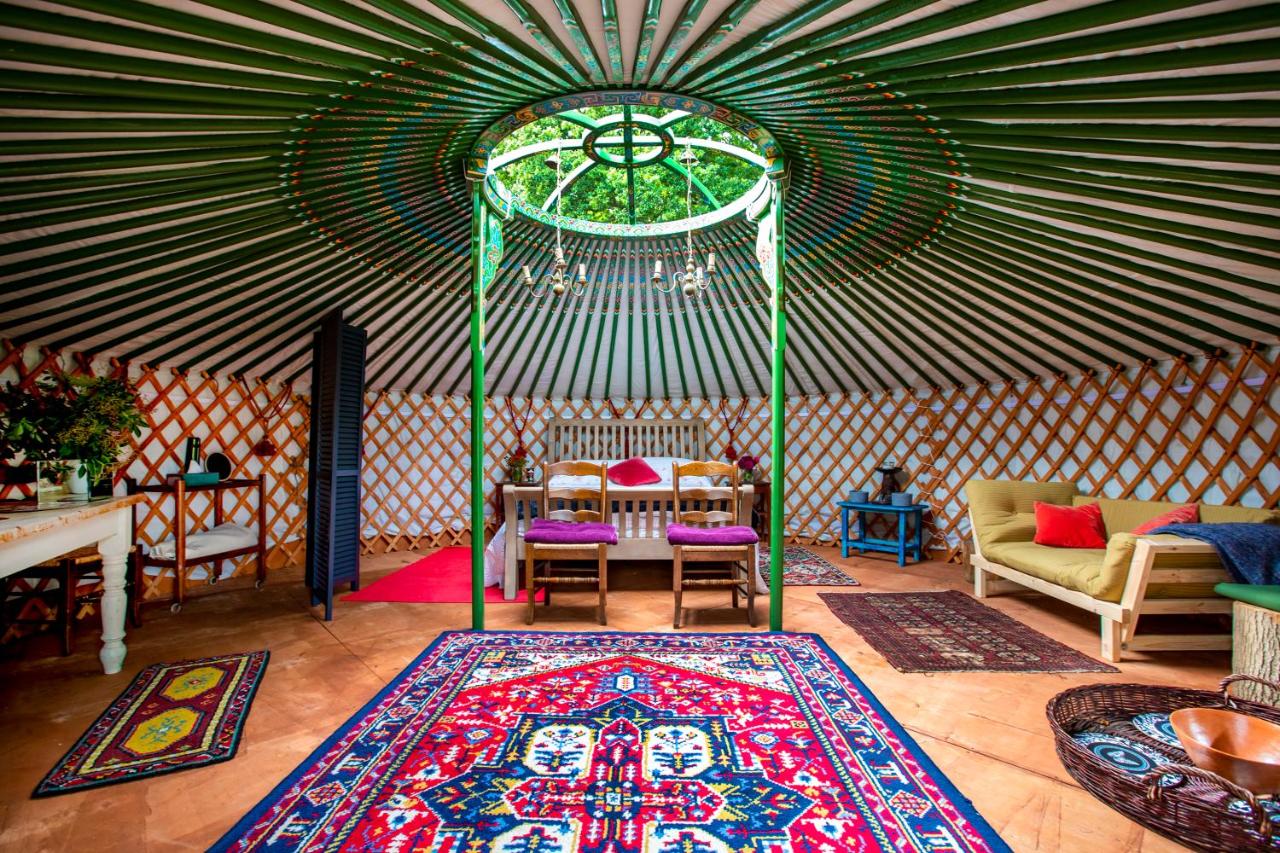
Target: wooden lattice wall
228,415
1188,430
1204,430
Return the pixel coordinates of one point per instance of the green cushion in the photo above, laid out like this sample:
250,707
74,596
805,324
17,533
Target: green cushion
1260,595
1210,514
1073,568
1122,516
1115,572
1097,573
1004,510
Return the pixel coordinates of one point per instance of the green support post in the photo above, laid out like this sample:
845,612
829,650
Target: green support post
777,411
479,239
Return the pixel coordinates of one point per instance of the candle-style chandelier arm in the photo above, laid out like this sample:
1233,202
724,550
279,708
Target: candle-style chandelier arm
694,278
558,280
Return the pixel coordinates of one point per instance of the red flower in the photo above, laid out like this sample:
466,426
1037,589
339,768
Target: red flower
748,462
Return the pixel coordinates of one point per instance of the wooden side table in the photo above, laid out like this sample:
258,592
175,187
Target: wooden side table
902,546
760,508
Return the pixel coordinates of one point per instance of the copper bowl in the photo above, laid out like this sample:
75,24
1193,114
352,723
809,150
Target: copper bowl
1238,747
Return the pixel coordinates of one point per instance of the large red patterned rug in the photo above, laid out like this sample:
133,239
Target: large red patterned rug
531,742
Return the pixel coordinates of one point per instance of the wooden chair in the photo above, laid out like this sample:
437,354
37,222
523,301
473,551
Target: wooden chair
708,533
572,531
79,578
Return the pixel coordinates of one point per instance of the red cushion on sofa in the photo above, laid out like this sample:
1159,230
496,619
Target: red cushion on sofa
634,472
1187,514
1069,526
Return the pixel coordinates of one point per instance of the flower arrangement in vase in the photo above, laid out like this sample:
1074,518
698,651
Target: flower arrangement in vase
518,465
747,466
72,426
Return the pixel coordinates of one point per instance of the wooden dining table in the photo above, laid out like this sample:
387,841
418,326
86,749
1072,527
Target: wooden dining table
30,537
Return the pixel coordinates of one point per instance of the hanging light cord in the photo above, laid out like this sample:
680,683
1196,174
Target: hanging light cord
688,202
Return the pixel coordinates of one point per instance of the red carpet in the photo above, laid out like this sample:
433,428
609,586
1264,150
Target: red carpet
443,578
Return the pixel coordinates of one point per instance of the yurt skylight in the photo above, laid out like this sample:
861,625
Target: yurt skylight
623,170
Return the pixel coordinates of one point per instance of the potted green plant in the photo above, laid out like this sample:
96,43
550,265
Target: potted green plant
80,424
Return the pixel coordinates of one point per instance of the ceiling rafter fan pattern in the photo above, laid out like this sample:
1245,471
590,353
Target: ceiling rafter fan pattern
978,191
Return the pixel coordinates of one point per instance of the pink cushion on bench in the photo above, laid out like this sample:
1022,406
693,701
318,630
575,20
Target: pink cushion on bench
551,531
633,472
683,534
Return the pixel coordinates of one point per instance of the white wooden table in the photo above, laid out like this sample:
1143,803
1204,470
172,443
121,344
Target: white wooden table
30,538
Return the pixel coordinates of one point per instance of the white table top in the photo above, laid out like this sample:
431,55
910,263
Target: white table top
19,525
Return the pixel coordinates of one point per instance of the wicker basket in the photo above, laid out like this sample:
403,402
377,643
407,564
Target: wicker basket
1193,811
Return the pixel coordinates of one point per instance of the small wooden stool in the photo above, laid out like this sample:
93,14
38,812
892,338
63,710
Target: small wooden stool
1255,642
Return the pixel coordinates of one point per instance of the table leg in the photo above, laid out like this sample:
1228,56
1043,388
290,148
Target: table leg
844,532
919,516
862,531
114,551
902,539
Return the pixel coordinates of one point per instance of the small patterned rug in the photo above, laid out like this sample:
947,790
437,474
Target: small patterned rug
173,716
802,567
951,632
602,742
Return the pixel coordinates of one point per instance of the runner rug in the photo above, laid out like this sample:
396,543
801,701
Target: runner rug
441,577
174,716
618,743
951,632
802,567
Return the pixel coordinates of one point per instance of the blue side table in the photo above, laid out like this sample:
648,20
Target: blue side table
864,543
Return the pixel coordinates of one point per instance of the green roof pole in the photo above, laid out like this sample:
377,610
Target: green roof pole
777,404
479,234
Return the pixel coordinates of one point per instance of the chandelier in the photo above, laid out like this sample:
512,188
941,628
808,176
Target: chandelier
694,278
557,281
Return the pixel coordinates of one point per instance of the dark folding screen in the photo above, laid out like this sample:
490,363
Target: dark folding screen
337,418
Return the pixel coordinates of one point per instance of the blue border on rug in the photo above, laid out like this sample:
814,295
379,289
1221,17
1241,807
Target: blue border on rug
962,803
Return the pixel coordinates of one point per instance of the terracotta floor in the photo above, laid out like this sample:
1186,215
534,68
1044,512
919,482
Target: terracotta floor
986,731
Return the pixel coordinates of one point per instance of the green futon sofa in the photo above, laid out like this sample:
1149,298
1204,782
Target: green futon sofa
1133,575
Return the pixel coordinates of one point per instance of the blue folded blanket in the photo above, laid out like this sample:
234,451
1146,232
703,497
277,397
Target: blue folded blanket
1251,552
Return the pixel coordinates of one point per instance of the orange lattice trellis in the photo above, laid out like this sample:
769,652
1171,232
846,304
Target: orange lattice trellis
1185,430
220,411
1203,430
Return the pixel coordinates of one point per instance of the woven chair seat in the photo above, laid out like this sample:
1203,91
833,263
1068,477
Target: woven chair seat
714,582
593,579
87,554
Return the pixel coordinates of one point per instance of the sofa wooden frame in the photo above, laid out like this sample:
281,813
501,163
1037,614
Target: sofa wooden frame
1120,618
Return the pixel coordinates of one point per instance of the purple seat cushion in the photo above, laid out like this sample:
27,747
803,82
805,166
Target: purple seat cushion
683,534
551,531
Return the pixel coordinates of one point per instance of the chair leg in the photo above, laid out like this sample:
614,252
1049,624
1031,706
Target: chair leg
529,589
677,574
603,568
748,574
135,586
67,605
